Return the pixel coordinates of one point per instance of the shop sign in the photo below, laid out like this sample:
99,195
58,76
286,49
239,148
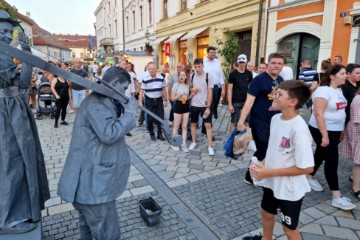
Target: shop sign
167,49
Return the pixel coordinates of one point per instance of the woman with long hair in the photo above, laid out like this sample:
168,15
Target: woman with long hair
180,94
326,124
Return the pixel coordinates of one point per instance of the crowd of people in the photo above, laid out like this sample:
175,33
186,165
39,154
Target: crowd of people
266,98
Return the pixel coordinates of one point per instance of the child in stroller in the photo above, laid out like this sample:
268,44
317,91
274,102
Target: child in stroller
47,107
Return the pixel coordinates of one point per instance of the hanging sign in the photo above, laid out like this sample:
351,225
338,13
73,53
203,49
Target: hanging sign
167,49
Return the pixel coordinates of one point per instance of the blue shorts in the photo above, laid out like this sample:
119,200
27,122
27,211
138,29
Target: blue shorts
77,97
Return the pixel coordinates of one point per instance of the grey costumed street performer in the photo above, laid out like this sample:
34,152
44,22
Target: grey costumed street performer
23,182
97,167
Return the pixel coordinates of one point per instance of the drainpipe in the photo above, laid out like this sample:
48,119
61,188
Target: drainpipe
258,32
123,24
265,29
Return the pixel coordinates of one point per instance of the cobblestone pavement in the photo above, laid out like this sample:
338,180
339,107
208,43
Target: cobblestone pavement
202,197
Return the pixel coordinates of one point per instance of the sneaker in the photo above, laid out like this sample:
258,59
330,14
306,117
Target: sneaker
64,123
192,146
184,147
256,237
315,185
129,134
153,138
343,203
211,151
248,179
161,137
175,148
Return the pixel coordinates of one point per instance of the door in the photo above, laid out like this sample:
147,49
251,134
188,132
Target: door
244,44
289,47
297,47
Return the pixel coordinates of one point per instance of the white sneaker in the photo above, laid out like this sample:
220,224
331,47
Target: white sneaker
343,203
315,185
192,146
184,147
211,151
70,111
175,148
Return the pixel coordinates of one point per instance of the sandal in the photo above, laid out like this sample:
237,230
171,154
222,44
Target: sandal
356,194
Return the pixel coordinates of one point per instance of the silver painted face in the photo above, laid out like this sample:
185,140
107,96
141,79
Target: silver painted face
6,30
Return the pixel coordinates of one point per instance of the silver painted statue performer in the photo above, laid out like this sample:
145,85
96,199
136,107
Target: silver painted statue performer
98,163
23,182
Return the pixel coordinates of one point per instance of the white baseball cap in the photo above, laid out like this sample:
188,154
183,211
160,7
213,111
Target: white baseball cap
242,58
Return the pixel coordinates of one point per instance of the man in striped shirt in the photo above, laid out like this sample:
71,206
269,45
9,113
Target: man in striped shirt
153,85
309,76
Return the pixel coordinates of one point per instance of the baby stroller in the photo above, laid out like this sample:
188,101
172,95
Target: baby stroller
45,101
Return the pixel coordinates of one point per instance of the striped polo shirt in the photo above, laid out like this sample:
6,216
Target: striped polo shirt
308,75
153,86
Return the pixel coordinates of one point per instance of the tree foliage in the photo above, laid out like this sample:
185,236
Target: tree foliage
227,49
10,10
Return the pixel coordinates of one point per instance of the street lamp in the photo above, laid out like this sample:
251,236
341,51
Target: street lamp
147,34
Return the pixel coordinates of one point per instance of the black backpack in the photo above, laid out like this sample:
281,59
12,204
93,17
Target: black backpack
192,79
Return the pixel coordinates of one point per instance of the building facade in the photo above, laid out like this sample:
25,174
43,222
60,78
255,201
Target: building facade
109,27
139,23
313,29
82,46
185,28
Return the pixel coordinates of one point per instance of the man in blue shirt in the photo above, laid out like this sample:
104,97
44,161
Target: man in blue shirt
258,104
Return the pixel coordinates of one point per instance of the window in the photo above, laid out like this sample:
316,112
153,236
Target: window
150,12
134,21
183,52
110,30
141,17
116,28
127,30
165,14
183,5
202,44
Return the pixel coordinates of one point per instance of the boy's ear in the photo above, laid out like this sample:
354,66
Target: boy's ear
293,102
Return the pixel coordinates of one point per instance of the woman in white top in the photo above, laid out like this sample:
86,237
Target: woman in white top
326,124
180,94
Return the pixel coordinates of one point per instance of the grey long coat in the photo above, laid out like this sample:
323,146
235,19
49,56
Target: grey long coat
98,163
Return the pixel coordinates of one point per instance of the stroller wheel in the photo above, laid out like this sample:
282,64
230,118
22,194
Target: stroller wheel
39,116
52,116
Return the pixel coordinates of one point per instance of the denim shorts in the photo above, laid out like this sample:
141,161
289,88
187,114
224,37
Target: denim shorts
77,97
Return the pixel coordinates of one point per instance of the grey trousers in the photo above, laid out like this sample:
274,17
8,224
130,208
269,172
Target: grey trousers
98,221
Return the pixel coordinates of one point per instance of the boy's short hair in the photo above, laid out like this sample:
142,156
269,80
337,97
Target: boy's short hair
198,61
210,48
276,55
297,90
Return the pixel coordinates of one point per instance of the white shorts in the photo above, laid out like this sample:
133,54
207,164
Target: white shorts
77,97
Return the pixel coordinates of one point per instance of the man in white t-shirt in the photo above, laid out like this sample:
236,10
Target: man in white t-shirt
201,84
288,159
287,73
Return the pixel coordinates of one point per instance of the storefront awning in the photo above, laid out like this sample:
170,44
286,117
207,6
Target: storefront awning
175,37
159,40
194,33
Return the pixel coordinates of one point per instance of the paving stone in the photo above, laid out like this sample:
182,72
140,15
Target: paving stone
341,213
305,219
193,178
204,175
196,166
326,208
216,172
327,220
141,190
314,213
348,223
312,228
60,208
176,182
342,233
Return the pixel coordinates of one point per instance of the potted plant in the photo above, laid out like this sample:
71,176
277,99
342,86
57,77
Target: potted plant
148,47
227,49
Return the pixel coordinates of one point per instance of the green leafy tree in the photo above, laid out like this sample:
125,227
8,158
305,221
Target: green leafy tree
227,49
10,10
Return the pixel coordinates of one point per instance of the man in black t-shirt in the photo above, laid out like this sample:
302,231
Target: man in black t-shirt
239,80
78,92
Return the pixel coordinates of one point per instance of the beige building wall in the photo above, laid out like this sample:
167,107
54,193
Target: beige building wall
211,16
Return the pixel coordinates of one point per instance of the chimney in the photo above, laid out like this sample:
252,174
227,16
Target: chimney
28,14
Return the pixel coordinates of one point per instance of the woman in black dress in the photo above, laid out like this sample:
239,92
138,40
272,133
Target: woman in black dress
62,93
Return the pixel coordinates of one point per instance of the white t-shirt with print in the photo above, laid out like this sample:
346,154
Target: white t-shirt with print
335,112
289,145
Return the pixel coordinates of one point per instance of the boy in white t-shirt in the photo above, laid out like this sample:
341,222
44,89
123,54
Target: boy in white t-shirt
289,158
